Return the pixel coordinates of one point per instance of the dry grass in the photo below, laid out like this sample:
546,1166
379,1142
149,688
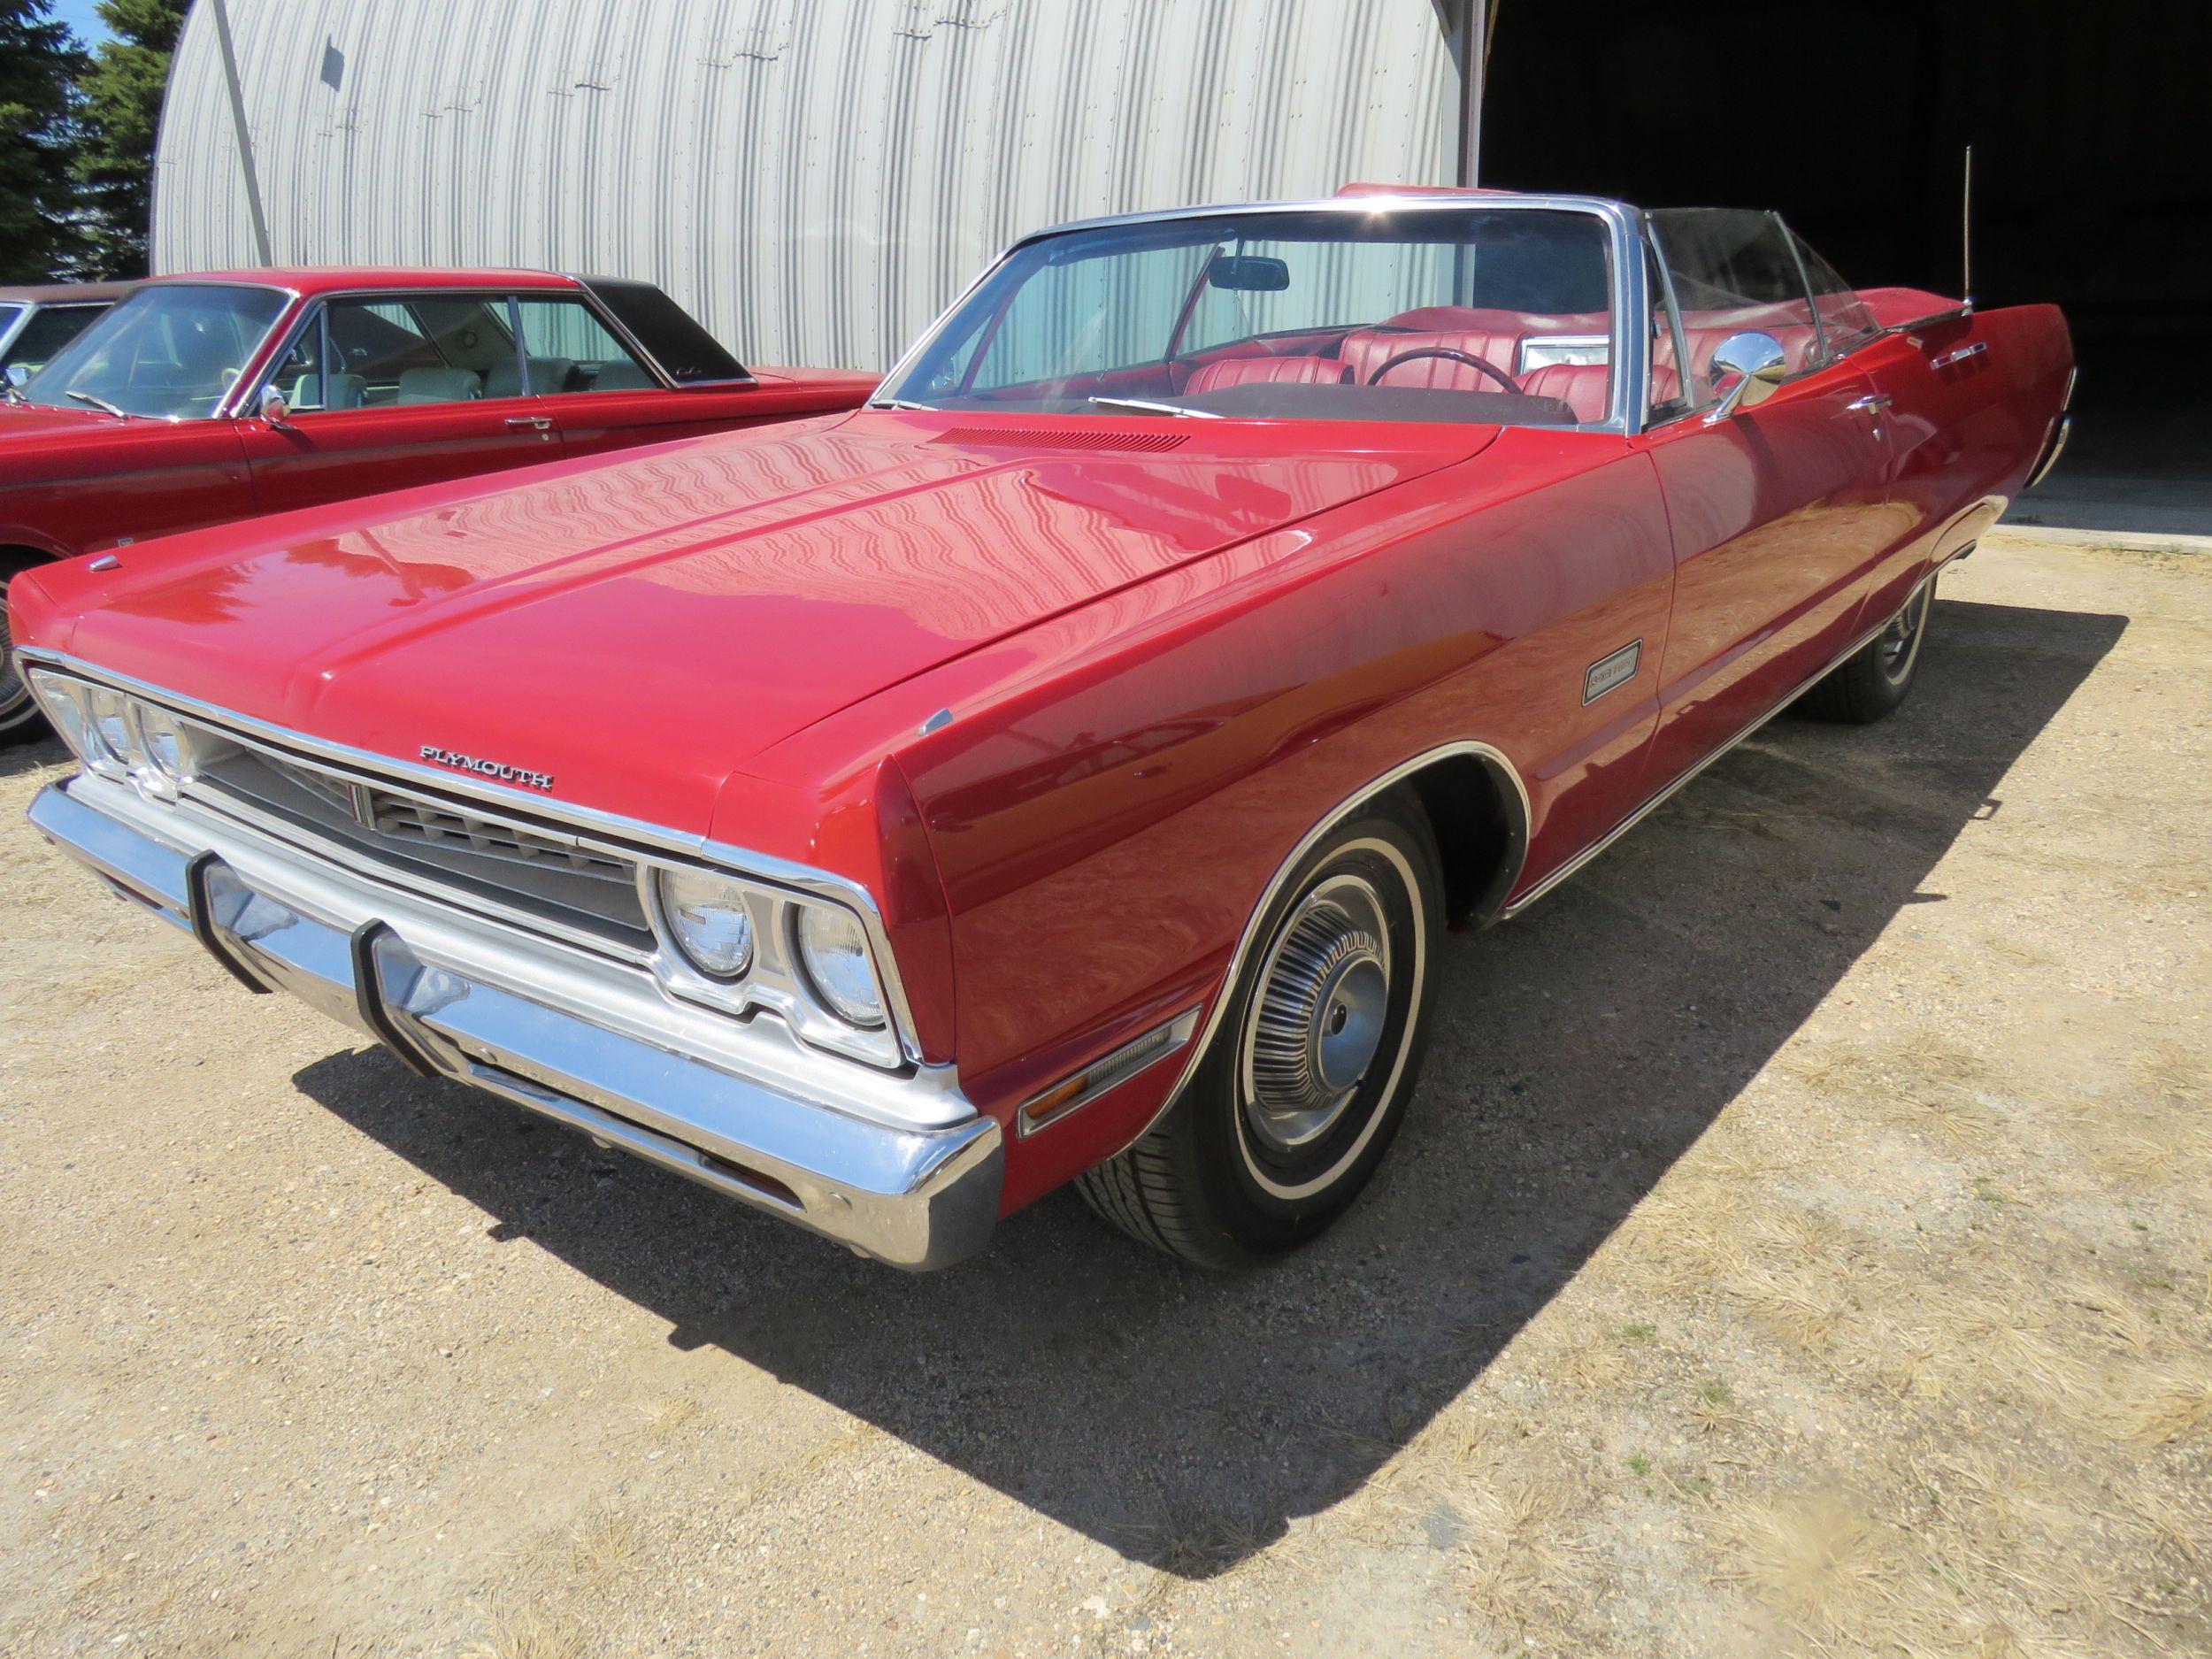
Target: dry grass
1520,1551
526,1633
2163,1404
1819,1563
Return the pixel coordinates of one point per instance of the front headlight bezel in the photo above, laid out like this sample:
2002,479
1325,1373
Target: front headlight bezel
776,980
112,731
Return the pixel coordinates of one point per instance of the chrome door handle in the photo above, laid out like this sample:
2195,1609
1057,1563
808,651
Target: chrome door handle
1959,355
1869,404
533,423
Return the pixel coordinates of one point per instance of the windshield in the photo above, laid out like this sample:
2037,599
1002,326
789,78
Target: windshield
1492,314
172,350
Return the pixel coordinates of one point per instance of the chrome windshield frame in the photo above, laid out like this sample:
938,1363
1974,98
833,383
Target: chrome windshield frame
224,406
1626,277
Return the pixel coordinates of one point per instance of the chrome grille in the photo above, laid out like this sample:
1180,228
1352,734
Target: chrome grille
435,825
532,870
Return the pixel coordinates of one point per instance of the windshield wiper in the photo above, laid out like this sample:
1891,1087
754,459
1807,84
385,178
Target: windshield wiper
1145,405
899,403
99,403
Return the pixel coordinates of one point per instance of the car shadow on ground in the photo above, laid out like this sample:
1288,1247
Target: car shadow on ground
18,758
1185,1419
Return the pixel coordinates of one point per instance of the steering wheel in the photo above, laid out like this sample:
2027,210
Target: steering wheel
1467,358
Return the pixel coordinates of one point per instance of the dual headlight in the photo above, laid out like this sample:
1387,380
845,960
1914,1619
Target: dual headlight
723,929
121,736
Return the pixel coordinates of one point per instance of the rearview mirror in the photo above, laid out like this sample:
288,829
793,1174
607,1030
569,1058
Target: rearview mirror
1756,360
1248,274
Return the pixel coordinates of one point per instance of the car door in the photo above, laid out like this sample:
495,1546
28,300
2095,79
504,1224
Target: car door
389,390
603,395
1779,510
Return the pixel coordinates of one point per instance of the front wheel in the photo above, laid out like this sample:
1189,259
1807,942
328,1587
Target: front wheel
19,720
1874,678
1311,1065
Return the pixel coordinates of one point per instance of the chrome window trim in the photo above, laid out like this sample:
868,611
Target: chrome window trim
1247,941
226,408
23,312
1624,277
625,836
621,331
319,303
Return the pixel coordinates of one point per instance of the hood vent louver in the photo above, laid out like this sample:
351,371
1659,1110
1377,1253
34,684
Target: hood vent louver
1041,438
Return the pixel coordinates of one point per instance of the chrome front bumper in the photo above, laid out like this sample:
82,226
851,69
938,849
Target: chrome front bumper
544,1025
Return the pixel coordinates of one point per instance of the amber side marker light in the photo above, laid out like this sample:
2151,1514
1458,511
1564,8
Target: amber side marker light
1117,1068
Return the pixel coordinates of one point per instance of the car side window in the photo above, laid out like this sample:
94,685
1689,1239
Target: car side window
1734,270
571,350
397,352
49,329
1845,321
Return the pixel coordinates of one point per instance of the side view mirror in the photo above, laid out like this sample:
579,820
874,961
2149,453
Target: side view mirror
19,376
1756,361
273,408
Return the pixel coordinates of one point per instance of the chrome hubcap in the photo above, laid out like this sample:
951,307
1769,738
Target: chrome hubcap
1901,640
1317,1020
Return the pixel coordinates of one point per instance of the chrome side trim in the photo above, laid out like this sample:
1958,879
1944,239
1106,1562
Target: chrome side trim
1496,762
1661,799
2059,434
627,833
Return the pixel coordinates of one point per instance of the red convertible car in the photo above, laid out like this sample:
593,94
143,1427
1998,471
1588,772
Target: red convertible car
1061,768
199,399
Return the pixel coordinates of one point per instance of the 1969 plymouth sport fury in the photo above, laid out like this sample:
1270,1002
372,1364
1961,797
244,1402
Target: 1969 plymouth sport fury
1061,768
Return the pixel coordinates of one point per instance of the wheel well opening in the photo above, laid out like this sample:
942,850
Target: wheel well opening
1479,836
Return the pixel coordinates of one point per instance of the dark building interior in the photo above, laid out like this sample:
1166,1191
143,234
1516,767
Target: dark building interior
2093,171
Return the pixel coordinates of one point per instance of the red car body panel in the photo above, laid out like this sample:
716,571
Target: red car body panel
78,481
1170,648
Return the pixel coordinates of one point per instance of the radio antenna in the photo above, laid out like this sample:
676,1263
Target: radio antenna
1966,230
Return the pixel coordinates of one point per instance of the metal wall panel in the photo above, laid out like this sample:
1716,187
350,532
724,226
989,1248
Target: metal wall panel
813,179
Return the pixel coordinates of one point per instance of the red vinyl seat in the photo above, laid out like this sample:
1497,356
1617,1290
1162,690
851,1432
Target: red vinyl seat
1586,388
1264,370
1366,350
1582,386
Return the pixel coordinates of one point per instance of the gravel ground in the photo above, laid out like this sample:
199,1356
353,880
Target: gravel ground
1801,1241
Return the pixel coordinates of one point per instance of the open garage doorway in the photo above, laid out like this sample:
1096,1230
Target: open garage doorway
2091,186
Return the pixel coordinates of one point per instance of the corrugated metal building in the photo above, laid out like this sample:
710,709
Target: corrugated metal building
813,179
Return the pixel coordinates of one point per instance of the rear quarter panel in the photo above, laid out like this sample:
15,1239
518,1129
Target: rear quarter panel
1973,400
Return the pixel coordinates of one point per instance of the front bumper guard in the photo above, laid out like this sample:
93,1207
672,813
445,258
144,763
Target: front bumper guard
401,970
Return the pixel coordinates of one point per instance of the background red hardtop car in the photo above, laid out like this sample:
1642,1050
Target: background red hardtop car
201,399
1063,767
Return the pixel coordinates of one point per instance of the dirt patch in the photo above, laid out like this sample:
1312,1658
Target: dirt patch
1803,1243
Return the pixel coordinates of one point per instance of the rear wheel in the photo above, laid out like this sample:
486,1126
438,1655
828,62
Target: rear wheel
1307,1078
1876,677
19,720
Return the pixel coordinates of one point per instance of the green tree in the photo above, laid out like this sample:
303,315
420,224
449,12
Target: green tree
40,234
121,113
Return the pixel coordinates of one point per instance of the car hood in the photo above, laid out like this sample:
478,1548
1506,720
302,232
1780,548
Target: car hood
639,630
